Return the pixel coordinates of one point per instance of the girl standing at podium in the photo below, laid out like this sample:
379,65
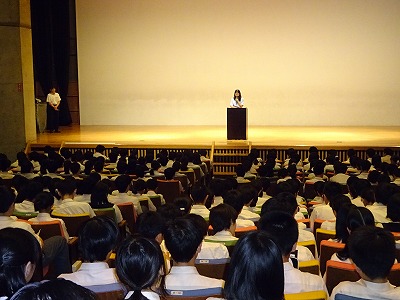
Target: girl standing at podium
237,101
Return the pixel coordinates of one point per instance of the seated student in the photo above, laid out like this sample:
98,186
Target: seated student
98,167
85,188
350,217
56,289
223,221
169,174
318,173
263,197
43,204
5,164
256,270
183,240
372,251
122,194
97,239
55,249
209,250
99,152
140,266
183,204
218,187
250,196
312,159
199,196
66,189
151,187
240,172
19,255
27,170
324,211
357,187
340,173
292,186
28,194
319,190
287,203
99,199
336,203
393,208
364,166
283,175
378,210
235,199
283,229
139,189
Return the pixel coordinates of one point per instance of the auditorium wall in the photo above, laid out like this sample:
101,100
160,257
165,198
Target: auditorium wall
177,62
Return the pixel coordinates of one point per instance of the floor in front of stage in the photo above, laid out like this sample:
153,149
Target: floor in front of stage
203,136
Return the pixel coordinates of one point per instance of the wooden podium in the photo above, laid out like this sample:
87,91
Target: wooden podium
236,123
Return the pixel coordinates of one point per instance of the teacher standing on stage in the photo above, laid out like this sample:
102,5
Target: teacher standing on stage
237,101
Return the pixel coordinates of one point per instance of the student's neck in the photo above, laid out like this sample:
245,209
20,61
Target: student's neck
377,280
285,258
67,196
190,263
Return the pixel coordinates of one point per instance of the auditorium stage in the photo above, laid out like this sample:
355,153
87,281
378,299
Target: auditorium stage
204,136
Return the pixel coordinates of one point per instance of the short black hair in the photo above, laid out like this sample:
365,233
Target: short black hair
66,186
151,184
285,202
150,224
198,193
373,250
43,200
393,208
222,217
7,199
182,238
340,167
122,182
283,229
235,199
332,189
183,204
169,173
97,237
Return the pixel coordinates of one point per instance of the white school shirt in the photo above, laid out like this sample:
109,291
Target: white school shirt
53,99
367,290
71,207
210,250
118,198
9,222
186,278
97,273
221,236
201,210
299,282
233,102
25,206
323,212
247,214
340,178
148,294
379,211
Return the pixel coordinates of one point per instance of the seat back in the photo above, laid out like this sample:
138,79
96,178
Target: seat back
128,212
72,222
243,230
156,199
317,224
105,212
311,245
114,291
194,294
190,175
337,272
214,268
169,189
48,229
25,215
347,297
310,266
394,275
184,182
321,235
327,249
315,295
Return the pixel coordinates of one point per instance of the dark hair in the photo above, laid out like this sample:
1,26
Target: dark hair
393,208
182,238
138,264
99,196
384,191
240,95
360,185
256,270
198,193
373,250
222,217
150,224
56,289
66,186
184,204
249,194
235,199
282,202
368,195
7,199
282,227
332,189
169,173
100,148
97,237
151,184
17,248
122,182
169,212
43,201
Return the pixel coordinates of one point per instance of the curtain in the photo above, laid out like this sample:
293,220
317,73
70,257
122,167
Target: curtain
51,49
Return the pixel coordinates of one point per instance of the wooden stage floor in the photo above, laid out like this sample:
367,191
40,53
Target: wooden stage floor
268,136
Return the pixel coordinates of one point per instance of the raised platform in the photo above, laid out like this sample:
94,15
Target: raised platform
204,136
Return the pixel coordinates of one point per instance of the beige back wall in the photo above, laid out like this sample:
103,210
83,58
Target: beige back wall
177,62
